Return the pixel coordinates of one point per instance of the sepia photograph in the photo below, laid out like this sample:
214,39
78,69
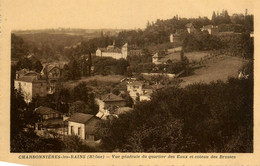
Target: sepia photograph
164,76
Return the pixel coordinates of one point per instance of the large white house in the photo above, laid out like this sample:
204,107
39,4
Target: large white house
113,51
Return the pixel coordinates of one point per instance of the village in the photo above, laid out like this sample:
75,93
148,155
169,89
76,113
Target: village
62,106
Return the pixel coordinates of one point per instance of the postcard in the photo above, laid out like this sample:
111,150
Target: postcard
129,82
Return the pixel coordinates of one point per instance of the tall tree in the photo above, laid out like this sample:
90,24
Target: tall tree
213,18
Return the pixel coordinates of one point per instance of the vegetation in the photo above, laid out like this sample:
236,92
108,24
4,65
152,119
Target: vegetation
199,118
109,66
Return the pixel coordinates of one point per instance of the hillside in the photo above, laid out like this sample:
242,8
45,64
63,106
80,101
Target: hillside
217,69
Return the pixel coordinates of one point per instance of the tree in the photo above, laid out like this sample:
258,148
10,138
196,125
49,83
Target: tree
187,120
74,70
74,144
24,63
80,107
62,96
213,18
121,66
84,93
37,66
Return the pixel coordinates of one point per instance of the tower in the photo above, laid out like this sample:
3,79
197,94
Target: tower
124,50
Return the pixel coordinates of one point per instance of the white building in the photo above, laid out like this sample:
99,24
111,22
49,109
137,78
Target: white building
83,125
212,30
112,51
157,58
171,38
190,28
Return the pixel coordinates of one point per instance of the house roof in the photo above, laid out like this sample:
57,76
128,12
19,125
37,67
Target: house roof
189,25
45,110
80,118
32,73
47,68
111,97
158,55
22,71
208,27
30,79
136,83
110,48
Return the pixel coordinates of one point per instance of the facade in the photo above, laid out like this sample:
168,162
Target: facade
112,51
211,29
135,89
31,86
146,95
48,118
171,38
190,28
53,74
157,58
83,125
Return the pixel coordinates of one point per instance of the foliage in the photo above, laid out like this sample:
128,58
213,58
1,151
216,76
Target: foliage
84,93
108,65
75,144
79,107
201,41
19,49
199,118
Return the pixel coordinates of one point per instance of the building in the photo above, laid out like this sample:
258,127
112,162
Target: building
48,118
171,38
190,28
83,125
135,89
146,95
31,86
113,51
53,73
156,59
112,100
21,73
211,29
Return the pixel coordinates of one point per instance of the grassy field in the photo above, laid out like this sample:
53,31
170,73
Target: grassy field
110,79
192,56
221,69
196,56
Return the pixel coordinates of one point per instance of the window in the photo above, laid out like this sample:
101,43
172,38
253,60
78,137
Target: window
79,130
71,130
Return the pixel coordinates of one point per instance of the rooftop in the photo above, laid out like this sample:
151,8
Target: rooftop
111,97
136,83
22,71
159,55
208,27
30,79
45,110
80,118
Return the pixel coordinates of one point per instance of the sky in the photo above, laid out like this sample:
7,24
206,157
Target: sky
116,14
